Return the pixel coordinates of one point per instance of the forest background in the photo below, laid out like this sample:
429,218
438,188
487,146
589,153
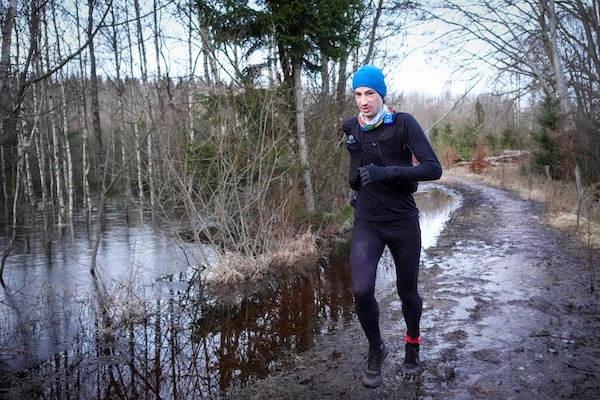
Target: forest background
224,116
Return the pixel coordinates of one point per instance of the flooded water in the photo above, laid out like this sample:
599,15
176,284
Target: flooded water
145,327
436,204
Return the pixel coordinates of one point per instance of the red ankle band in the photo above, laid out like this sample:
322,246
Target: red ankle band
411,340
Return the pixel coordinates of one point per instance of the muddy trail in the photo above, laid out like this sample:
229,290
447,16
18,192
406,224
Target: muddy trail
508,314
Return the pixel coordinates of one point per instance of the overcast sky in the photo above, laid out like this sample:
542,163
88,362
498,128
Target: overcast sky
419,73
426,71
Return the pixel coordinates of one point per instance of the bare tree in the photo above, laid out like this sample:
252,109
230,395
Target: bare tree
42,161
579,48
18,124
97,131
516,38
548,13
94,91
548,47
7,26
373,32
115,45
85,143
302,141
210,63
22,147
5,195
147,108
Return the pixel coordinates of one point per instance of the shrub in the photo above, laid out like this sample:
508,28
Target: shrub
479,162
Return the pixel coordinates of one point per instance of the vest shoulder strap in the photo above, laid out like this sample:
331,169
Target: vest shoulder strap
350,125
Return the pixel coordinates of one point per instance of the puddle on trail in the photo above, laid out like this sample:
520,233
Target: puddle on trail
144,327
436,204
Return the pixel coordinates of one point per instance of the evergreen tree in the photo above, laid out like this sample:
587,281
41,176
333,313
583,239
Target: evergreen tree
547,151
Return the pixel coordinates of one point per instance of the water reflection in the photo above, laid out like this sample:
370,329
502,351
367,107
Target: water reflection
145,327
436,203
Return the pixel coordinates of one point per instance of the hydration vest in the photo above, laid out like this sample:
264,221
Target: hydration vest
383,146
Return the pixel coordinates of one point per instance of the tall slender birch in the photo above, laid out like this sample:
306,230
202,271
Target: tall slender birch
15,203
136,129
56,156
549,24
191,85
94,95
83,123
57,160
42,167
85,142
162,85
4,180
147,110
191,68
120,89
97,129
26,138
66,155
7,27
302,142
210,63
157,52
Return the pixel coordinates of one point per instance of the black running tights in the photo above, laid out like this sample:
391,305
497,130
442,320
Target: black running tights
403,238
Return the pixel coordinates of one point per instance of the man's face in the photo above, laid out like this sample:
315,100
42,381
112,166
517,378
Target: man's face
369,102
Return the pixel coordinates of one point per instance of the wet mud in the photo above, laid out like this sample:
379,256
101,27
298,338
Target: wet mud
508,314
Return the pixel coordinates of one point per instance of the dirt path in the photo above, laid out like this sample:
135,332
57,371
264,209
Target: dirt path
508,315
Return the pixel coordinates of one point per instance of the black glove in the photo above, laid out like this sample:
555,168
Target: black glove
372,174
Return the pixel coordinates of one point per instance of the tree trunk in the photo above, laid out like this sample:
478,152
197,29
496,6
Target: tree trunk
51,122
191,83
85,135
302,142
373,36
42,168
97,130
9,20
147,111
590,20
157,53
68,157
85,146
4,181
28,183
552,50
15,203
56,155
115,44
191,86
342,78
136,134
25,138
94,95
210,63
324,75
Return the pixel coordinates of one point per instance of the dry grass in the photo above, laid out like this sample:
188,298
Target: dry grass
295,254
560,199
288,256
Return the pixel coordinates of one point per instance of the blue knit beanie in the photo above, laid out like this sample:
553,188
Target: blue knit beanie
371,77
